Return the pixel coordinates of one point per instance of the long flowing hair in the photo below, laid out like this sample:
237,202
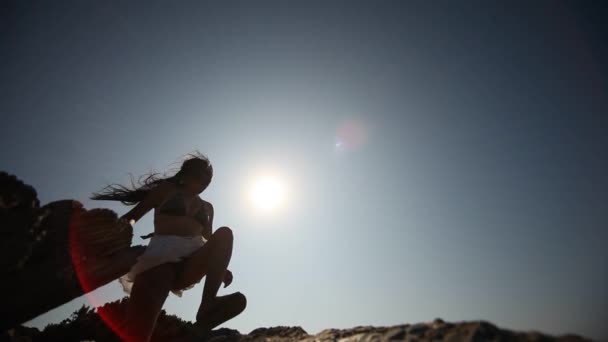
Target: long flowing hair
195,164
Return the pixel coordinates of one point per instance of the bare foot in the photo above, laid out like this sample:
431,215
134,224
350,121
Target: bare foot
207,307
220,310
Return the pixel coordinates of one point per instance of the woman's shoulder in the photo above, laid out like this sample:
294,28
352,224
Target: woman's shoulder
164,188
205,204
165,185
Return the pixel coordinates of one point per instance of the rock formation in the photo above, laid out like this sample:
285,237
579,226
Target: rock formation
54,253
86,325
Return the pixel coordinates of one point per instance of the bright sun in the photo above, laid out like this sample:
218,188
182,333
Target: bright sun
267,193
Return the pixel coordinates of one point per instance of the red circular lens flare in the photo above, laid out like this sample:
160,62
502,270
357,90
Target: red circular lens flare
350,134
78,257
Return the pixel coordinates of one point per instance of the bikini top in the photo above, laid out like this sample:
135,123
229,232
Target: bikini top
176,206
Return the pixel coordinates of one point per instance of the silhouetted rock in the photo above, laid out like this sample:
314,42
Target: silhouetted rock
55,253
88,324
52,254
276,333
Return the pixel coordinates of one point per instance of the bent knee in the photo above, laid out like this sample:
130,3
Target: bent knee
224,233
242,299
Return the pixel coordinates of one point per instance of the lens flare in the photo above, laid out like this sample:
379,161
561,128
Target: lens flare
114,320
350,135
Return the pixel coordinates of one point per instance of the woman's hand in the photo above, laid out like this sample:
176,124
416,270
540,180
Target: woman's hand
123,223
227,278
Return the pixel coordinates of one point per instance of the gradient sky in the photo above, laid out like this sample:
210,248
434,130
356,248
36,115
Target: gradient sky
442,159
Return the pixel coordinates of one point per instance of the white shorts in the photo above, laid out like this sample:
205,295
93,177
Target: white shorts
162,249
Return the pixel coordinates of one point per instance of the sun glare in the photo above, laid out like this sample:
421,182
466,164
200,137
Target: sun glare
267,193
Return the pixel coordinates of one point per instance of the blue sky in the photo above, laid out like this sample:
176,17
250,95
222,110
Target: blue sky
440,160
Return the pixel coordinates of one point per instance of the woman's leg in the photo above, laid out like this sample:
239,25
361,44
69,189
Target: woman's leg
149,292
210,260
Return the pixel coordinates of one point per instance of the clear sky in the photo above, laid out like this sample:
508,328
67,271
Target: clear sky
439,159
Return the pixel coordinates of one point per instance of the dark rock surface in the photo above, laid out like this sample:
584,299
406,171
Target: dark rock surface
55,253
52,254
87,325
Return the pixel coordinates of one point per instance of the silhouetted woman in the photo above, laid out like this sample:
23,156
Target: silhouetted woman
182,250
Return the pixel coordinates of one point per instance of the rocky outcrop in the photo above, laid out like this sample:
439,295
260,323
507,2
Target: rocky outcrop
98,325
54,253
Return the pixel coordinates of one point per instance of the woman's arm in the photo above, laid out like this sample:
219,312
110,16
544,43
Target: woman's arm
152,200
207,228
